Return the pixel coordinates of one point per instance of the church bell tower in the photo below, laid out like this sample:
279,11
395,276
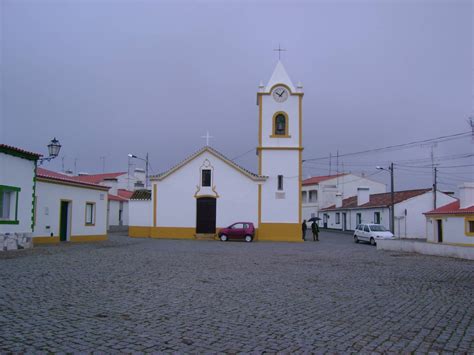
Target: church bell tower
280,157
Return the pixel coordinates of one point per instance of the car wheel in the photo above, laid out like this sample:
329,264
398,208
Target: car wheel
248,238
356,240
223,238
372,241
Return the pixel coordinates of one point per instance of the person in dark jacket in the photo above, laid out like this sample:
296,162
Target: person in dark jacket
304,228
315,230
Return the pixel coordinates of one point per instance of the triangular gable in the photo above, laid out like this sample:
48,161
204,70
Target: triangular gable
216,154
280,76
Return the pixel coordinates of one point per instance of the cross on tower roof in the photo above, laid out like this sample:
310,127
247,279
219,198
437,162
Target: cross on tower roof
207,136
279,50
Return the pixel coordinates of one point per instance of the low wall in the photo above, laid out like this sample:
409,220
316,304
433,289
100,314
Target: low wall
454,251
15,241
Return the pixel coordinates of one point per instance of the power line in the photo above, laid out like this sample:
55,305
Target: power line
401,146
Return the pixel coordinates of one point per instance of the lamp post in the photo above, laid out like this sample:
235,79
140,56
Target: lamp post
146,166
53,150
392,197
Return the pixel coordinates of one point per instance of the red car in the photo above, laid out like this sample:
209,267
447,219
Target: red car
240,230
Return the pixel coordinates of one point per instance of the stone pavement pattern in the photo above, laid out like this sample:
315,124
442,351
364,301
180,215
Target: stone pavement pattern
145,295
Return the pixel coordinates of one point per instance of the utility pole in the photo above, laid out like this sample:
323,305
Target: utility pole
435,187
75,165
330,161
146,171
392,198
102,158
62,164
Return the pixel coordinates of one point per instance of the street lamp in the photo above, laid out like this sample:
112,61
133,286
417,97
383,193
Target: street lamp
146,166
392,197
53,150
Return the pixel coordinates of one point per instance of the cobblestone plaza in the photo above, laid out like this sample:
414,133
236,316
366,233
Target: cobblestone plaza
145,295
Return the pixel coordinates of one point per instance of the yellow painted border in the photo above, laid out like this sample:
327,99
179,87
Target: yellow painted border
138,232
279,148
287,125
280,232
94,210
45,240
89,238
466,226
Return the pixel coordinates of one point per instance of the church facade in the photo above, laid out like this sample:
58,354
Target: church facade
208,191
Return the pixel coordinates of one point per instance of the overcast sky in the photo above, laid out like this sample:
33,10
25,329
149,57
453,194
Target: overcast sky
112,77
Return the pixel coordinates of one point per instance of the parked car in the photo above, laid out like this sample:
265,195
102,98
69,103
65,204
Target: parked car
371,232
240,230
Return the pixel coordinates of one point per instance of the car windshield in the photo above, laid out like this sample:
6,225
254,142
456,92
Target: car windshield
378,228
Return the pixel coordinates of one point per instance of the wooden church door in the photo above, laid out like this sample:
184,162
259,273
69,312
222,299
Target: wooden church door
206,215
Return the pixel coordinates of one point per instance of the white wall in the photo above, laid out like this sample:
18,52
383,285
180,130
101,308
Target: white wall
19,172
114,208
328,189
49,196
412,225
453,230
286,163
140,213
367,216
176,204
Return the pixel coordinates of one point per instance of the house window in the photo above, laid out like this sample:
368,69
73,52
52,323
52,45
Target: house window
470,227
313,196
358,218
206,177
90,213
304,196
9,204
280,182
377,217
338,218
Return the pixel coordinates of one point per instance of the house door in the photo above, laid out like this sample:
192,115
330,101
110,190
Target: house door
64,221
440,230
344,221
325,220
206,215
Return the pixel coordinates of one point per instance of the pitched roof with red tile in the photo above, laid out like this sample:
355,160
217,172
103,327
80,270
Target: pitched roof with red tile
125,193
317,179
452,208
378,200
98,178
117,198
44,174
8,149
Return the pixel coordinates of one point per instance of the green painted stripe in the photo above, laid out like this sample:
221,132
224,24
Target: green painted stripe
10,188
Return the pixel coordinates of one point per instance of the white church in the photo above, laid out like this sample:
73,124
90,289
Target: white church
208,191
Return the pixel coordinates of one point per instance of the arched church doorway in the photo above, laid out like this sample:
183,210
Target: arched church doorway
205,215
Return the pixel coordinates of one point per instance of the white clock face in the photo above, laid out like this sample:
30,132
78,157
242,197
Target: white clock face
280,94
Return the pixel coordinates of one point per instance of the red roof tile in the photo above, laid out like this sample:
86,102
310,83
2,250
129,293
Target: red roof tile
98,178
53,175
125,193
117,198
317,179
452,208
378,200
5,148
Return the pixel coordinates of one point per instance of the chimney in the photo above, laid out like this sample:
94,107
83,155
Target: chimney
363,195
338,200
466,195
112,183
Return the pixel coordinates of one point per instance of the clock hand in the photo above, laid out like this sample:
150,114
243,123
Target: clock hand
280,94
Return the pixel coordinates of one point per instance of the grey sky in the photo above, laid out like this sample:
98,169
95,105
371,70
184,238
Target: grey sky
112,77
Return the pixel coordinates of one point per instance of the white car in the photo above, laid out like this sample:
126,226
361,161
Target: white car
371,232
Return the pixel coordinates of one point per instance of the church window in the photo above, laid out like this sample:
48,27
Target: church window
280,182
280,125
206,177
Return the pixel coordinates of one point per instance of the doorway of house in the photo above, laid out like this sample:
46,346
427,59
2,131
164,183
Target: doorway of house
344,221
206,215
440,230
64,221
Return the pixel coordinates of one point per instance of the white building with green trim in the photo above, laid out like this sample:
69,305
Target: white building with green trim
17,191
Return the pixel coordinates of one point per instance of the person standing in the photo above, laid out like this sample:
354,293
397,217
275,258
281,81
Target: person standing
315,230
304,228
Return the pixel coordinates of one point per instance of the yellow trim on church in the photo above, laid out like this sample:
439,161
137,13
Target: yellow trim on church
279,232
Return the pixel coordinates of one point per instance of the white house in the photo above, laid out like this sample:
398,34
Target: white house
454,222
320,191
17,190
207,190
120,184
69,210
375,208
